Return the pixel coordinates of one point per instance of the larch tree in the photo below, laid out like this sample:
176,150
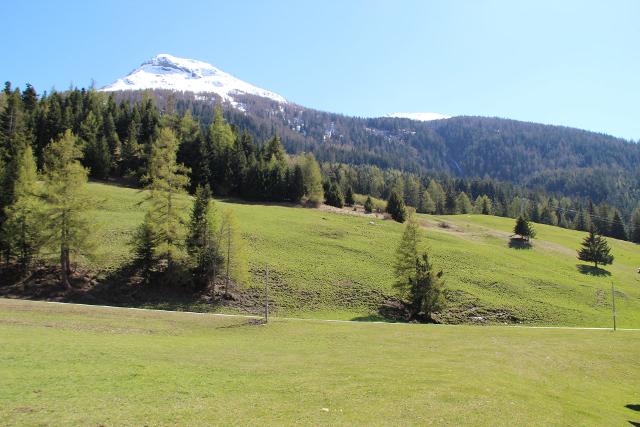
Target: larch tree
463,204
166,179
65,191
312,180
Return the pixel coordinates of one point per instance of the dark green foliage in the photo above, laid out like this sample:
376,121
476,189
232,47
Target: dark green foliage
396,207
348,197
524,229
635,226
202,241
144,244
368,205
595,249
296,184
617,230
426,289
333,196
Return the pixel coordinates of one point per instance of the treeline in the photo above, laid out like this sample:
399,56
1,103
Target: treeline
560,161
115,138
446,196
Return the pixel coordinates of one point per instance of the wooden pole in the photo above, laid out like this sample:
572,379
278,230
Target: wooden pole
266,295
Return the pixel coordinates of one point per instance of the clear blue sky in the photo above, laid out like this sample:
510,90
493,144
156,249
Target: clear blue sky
575,63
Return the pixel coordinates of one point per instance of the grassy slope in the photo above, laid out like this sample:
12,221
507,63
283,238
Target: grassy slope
334,266
74,365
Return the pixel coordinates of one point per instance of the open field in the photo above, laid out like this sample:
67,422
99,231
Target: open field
327,265
79,365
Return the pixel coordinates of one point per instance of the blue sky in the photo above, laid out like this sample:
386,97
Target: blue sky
575,63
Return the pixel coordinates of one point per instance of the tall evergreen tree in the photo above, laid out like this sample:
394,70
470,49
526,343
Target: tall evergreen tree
202,240
427,205
617,230
368,205
69,228
437,196
348,197
406,256
23,231
595,249
333,196
426,286
396,207
635,226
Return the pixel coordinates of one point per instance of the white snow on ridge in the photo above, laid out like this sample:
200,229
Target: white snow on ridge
422,117
165,71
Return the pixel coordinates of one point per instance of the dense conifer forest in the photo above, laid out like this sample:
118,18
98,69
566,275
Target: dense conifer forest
269,151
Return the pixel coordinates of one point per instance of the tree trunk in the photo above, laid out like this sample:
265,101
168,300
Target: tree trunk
64,267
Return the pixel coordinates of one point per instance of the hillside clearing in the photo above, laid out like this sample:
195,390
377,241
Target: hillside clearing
333,266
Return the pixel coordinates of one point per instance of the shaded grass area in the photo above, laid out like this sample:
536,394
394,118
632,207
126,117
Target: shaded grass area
327,265
77,365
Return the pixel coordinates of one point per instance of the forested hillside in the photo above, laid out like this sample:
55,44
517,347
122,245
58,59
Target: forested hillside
559,160
555,175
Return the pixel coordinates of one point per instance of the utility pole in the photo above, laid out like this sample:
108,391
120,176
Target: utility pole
613,299
266,295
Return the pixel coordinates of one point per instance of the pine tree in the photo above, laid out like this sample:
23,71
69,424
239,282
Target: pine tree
68,226
368,205
595,249
524,228
348,197
635,226
202,240
582,221
232,249
334,197
296,183
144,244
617,230
312,180
97,155
427,294
396,207
406,256
450,203
23,231
165,180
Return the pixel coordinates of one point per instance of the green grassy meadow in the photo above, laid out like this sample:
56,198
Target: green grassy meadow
83,365
328,265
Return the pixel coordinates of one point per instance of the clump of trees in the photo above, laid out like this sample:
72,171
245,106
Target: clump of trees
418,282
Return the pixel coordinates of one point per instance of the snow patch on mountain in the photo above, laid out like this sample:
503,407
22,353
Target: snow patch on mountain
166,71
423,117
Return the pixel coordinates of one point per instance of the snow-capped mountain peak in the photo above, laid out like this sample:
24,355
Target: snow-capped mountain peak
423,117
166,71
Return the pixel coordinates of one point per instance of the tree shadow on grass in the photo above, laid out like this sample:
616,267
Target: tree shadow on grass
633,407
592,271
518,243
